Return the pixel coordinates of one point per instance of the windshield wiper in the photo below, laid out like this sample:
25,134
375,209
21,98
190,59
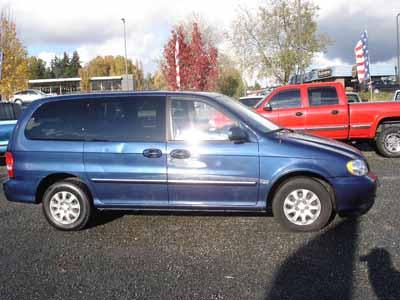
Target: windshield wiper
282,129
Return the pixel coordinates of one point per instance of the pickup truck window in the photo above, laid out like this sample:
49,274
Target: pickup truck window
323,96
286,99
9,111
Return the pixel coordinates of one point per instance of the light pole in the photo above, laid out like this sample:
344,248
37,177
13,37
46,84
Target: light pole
398,49
126,55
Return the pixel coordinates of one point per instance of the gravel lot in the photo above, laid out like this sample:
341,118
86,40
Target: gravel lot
219,256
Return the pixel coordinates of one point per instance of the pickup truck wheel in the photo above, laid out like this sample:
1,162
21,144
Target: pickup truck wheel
388,142
302,204
67,206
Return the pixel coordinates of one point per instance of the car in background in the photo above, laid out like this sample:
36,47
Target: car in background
251,101
396,96
27,96
9,113
163,151
353,97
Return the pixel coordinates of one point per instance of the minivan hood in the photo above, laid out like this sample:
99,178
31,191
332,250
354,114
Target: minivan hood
322,143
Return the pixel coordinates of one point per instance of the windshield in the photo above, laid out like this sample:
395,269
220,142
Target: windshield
248,114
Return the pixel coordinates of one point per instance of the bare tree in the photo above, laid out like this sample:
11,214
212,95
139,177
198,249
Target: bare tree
270,42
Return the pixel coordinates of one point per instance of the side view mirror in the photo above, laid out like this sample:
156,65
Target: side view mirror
267,107
237,134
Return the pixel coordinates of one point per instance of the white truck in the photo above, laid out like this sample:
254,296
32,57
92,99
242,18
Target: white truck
396,96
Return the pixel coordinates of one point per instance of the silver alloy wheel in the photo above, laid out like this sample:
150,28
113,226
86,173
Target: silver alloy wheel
392,142
65,207
302,207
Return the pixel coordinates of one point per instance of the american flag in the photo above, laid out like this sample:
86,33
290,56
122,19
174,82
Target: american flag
178,75
362,58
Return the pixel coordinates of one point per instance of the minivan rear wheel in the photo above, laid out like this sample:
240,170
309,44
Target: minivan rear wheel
67,205
302,204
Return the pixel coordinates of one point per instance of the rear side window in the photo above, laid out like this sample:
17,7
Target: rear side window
62,120
113,120
140,118
286,99
323,96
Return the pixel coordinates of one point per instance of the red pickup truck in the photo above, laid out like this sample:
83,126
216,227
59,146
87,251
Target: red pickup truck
322,109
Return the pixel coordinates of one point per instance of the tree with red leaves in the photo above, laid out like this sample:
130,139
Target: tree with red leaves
197,61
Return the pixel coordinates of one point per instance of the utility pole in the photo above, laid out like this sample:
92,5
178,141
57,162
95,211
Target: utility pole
398,49
126,54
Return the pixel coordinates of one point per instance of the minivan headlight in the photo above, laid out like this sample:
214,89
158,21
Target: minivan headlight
357,167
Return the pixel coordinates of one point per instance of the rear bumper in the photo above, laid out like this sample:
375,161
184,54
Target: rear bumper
355,195
18,191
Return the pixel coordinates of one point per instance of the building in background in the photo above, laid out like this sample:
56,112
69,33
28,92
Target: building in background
73,85
383,77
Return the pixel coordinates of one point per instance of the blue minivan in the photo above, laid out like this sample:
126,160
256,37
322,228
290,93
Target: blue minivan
177,151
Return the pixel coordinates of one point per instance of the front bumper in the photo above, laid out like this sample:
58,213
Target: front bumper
355,195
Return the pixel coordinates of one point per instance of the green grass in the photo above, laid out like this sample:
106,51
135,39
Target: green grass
381,96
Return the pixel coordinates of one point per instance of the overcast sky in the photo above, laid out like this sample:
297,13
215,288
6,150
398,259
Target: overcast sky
93,27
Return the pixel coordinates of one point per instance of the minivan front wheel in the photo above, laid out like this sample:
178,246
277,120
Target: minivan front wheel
302,204
67,205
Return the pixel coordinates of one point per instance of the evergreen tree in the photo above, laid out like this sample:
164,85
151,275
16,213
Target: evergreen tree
37,68
74,65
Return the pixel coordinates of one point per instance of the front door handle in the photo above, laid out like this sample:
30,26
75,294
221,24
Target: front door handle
152,153
299,114
334,112
180,154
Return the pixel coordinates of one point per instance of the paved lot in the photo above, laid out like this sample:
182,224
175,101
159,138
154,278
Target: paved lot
164,256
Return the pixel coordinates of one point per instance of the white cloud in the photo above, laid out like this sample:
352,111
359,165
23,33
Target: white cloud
94,27
47,56
322,61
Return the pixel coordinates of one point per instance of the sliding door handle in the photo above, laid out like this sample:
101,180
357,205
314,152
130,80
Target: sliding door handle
152,153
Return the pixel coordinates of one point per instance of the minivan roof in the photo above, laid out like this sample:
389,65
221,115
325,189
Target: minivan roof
125,93
86,96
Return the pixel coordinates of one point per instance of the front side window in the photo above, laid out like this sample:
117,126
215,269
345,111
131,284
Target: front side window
286,99
61,120
139,118
198,121
323,96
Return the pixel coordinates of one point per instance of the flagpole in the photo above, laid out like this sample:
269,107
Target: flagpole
369,66
177,68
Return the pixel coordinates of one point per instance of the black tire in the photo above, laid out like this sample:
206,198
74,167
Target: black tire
19,102
310,184
380,142
80,192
